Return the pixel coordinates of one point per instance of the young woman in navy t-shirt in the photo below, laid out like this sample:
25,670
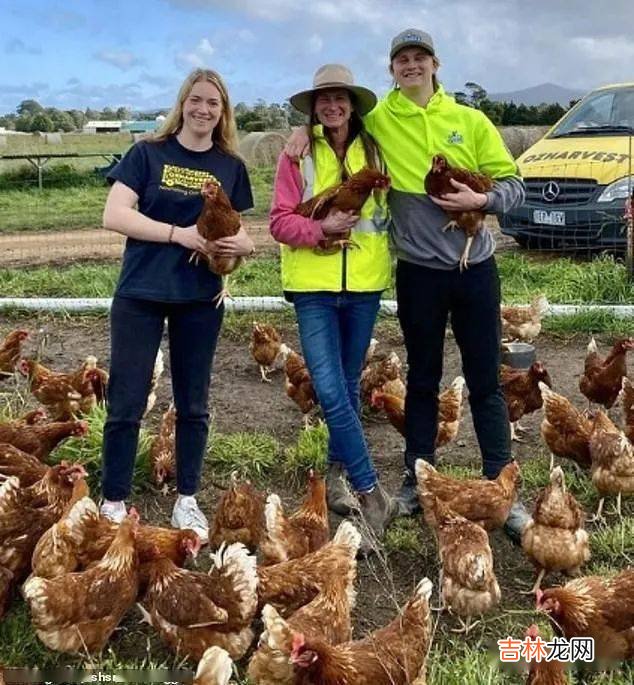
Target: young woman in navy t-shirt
155,200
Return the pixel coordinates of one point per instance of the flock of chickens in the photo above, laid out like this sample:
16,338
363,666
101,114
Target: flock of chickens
282,576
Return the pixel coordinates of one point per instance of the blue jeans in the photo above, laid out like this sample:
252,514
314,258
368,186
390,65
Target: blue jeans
136,331
335,330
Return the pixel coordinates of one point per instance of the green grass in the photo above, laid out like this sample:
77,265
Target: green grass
404,535
252,455
310,451
87,451
564,281
71,143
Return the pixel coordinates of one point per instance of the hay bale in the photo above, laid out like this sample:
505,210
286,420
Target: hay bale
262,148
519,138
53,138
3,141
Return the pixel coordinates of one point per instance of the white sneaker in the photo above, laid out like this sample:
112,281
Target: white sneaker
115,511
187,514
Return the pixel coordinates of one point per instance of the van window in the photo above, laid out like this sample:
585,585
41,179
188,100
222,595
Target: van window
606,108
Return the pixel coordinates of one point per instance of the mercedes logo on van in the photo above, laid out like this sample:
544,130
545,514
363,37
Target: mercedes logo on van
550,191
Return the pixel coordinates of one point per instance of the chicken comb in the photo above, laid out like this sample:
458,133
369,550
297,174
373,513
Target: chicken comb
532,631
134,513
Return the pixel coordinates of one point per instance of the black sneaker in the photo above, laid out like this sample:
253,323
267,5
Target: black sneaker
516,522
407,496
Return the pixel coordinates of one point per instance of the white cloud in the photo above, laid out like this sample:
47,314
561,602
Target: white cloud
122,59
315,43
205,47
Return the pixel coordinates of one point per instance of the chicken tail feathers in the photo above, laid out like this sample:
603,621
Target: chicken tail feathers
348,536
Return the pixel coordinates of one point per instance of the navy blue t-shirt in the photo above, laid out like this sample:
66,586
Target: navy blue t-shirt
168,177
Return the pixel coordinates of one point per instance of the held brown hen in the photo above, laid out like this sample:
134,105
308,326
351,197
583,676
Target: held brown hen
217,220
348,196
554,538
11,351
522,393
602,378
438,184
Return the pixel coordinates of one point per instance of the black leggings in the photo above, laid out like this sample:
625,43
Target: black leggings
136,331
425,299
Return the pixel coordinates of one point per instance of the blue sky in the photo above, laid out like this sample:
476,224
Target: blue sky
135,54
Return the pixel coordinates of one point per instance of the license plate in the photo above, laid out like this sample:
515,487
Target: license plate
541,216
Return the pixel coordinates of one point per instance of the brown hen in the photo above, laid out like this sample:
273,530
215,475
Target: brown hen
545,672
554,539
597,607
267,349
485,502
612,457
565,429
163,450
524,323
77,612
193,611
304,531
394,655
40,439
299,386
54,390
383,374
11,351
327,616
522,393
602,379
469,586
438,184
239,516
348,196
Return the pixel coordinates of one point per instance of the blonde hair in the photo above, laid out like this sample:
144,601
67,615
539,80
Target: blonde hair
225,133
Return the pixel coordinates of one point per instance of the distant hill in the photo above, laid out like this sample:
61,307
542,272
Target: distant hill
545,92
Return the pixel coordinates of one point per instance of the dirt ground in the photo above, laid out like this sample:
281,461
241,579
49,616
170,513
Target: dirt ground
241,402
40,248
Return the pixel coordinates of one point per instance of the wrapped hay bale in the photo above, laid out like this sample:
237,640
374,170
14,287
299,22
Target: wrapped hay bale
262,148
53,138
519,138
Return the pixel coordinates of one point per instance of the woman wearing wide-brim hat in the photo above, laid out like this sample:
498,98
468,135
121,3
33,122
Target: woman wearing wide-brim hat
336,295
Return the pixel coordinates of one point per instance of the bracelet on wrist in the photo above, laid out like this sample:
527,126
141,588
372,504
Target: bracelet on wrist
170,237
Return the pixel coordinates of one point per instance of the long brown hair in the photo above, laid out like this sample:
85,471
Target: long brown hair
355,128
225,133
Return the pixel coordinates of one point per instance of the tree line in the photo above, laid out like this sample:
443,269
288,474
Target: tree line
30,116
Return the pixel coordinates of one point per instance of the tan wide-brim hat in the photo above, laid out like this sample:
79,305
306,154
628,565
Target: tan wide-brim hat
334,76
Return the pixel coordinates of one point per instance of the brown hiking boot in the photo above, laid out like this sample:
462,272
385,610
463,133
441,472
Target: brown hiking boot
338,495
377,509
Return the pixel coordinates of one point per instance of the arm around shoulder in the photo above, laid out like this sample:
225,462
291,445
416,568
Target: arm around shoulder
285,224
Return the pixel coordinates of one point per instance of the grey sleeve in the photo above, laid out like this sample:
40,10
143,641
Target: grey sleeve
507,193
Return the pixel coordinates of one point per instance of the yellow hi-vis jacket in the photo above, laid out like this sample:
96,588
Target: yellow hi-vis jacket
365,267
